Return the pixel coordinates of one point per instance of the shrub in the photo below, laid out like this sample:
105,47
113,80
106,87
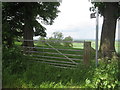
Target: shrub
68,41
54,41
14,64
41,41
14,60
104,76
17,72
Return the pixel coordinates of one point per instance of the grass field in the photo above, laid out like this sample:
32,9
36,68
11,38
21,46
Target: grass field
47,54
60,56
19,72
80,45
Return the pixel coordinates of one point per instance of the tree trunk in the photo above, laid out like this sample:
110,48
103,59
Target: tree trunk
28,27
9,42
107,43
28,35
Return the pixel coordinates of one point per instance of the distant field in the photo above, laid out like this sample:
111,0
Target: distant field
80,45
64,55
46,54
117,45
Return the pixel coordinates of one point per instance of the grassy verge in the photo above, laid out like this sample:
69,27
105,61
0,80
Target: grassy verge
19,72
39,75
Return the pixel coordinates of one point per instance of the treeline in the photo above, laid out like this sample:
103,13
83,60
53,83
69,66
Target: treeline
57,39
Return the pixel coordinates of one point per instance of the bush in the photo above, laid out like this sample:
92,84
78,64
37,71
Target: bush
68,41
54,41
41,41
14,60
17,72
104,76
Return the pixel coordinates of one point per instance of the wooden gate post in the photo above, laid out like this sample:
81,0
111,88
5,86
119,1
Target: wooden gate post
87,50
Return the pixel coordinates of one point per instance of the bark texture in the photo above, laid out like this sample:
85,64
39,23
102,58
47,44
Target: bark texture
28,27
107,43
28,34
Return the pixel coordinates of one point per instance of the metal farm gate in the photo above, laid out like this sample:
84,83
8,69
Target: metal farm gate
59,56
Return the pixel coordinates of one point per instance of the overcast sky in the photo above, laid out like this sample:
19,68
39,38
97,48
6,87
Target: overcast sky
74,20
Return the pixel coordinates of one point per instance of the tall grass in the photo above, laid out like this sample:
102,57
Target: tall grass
20,72
39,75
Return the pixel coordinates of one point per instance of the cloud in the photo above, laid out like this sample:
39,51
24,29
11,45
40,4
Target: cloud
74,20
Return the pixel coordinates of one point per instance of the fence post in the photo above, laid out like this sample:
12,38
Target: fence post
87,50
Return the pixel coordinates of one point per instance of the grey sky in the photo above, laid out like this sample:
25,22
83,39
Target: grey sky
74,20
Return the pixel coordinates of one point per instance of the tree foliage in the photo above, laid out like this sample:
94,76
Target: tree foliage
110,12
68,41
19,16
58,35
102,6
56,39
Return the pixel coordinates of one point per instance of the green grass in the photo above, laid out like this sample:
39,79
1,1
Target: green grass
50,52
18,43
39,75
117,45
19,72
76,46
